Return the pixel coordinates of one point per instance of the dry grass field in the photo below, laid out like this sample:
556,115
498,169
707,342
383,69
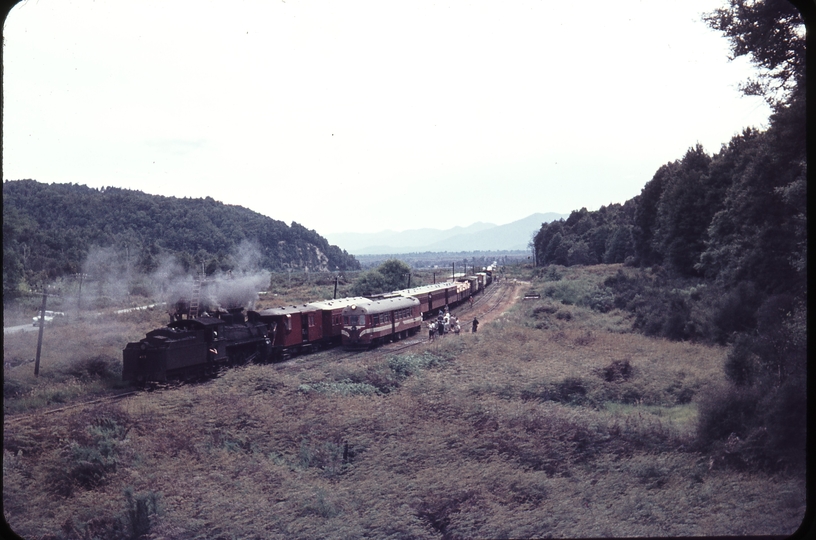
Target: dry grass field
553,421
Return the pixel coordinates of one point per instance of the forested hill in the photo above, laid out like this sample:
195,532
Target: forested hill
734,222
739,215
48,231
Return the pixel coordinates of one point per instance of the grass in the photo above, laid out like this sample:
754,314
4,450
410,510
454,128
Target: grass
517,431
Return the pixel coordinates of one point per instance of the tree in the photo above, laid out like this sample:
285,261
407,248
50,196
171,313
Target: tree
681,217
645,220
619,245
395,273
772,34
389,276
13,253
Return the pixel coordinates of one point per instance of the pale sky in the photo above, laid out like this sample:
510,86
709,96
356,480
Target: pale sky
360,116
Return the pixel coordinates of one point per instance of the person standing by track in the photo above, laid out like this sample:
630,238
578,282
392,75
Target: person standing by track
475,324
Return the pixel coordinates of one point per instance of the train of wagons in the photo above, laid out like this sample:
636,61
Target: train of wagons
206,344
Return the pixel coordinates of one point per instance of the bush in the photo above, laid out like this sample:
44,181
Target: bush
736,312
133,523
139,509
99,366
749,428
13,388
87,461
618,370
723,411
742,365
409,364
571,390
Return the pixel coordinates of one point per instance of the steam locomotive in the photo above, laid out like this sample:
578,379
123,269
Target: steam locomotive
205,344
200,345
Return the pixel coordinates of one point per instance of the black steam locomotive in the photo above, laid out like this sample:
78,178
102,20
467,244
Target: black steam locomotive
197,346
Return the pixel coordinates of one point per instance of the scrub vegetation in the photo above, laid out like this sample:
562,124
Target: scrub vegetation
651,383
556,419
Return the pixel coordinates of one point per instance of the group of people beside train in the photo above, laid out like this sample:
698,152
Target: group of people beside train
446,323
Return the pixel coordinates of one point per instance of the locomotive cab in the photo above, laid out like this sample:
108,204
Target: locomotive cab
354,324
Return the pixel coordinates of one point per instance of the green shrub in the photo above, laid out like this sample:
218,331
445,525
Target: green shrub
618,370
723,411
87,461
321,505
735,312
409,364
742,365
134,522
99,366
140,509
13,388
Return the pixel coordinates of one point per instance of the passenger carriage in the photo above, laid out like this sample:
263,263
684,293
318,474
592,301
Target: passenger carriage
370,322
305,328
292,329
434,297
332,315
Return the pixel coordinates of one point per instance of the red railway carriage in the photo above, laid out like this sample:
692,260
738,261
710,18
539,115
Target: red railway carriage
434,297
292,329
332,314
305,328
371,322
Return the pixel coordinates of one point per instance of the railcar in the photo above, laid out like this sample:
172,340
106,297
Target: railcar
194,346
370,322
332,311
305,328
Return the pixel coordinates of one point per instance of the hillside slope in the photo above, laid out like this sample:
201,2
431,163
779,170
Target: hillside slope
48,231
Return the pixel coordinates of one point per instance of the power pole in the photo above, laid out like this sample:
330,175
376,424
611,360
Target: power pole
39,337
40,334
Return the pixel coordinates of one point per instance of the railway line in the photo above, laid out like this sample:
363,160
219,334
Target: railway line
484,305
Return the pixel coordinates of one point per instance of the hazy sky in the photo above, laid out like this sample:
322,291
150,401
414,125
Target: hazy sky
352,116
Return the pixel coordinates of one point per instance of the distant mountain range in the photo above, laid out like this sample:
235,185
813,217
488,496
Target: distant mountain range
476,237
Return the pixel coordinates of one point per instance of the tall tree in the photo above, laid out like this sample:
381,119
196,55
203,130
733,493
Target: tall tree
681,217
772,34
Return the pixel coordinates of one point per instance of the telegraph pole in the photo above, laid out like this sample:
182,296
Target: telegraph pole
39,337
42,327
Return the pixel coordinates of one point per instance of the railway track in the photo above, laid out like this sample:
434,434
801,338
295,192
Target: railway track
490,300
104,399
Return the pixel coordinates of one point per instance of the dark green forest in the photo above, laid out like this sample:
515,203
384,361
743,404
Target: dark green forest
721,243
735,221
49,230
